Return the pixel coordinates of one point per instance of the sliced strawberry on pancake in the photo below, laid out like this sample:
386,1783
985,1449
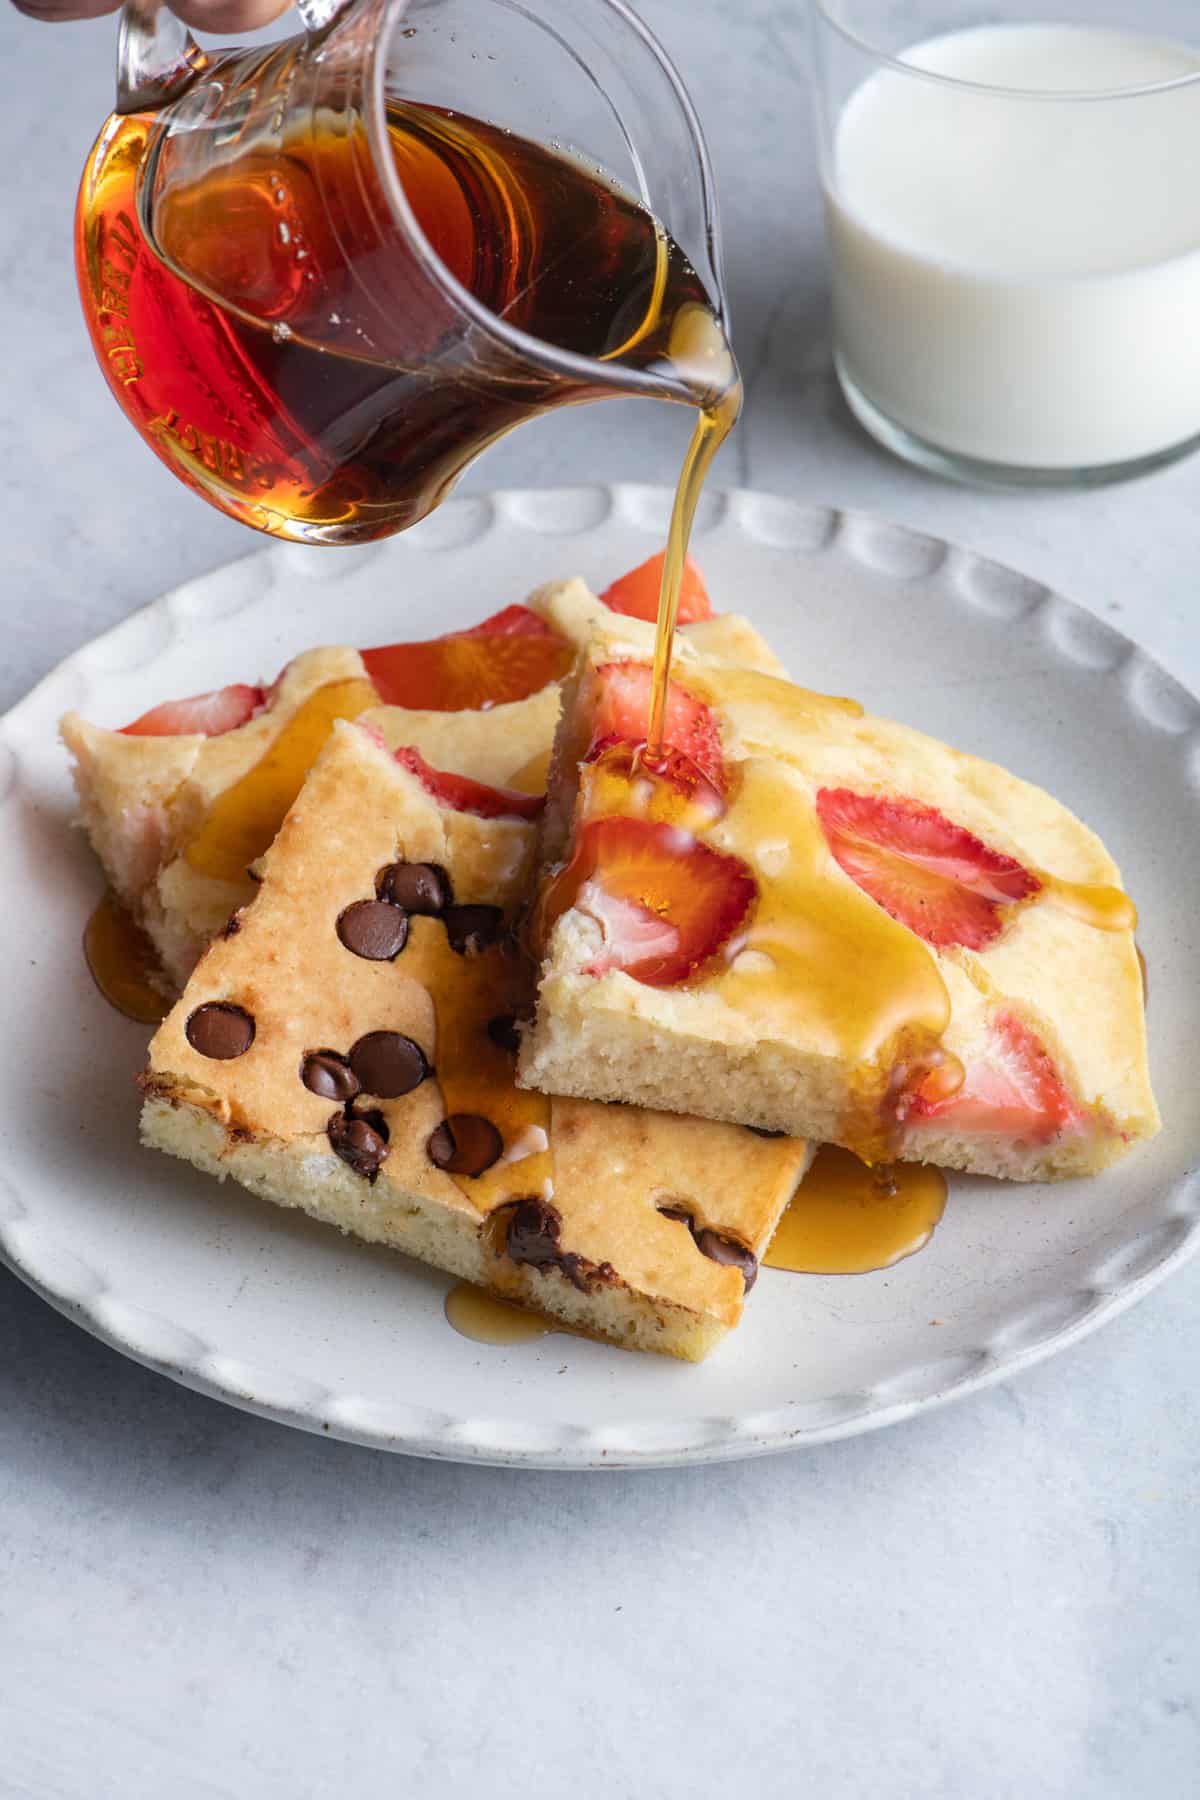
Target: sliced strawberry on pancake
621,715
511,621
636,594
508,657
202,715
665,903
1013,1089
936,877
465,795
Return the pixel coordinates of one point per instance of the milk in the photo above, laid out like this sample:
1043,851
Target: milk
1017,279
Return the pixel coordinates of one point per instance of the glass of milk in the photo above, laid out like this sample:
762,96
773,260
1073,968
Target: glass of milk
1013,210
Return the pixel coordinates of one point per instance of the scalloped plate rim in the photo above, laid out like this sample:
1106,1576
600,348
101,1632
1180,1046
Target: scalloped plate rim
434,1447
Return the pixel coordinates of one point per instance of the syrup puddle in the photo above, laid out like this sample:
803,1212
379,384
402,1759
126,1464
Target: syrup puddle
843,1221
123,963
476,1314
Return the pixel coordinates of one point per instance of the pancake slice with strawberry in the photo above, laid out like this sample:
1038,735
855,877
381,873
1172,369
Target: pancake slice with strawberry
803,918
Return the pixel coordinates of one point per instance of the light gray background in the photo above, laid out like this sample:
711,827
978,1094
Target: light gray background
998,1600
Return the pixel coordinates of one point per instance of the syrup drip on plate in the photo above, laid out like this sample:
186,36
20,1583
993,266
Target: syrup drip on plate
847,1219
476,1314
124,964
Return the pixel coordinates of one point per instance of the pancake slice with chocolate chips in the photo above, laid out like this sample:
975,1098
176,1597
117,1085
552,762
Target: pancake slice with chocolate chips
350,1050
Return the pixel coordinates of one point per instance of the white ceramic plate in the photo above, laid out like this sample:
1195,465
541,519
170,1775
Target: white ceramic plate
286,1318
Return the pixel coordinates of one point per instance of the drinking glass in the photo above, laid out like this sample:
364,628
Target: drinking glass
1013,220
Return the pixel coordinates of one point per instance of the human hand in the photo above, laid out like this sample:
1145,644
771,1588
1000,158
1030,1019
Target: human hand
203,15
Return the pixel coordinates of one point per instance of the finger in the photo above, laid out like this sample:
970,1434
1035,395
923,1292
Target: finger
227,15
57,12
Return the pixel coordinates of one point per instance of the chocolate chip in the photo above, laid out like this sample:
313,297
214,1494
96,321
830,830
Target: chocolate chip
680,1213
472,928
417,887
464,1144
328,1074
440,1146
360,1141
533,1233
373,930
586,1276
388,1064
763,1131
503,1032
220,1031
233,924
728,1250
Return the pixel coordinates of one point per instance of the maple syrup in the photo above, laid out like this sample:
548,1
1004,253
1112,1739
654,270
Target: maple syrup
245,818
847,1218
1102,907
717,419
532,776
241,341
123,963
474,1072
817,961
475,1313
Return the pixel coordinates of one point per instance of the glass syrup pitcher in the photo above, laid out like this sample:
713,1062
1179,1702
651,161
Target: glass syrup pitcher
322,275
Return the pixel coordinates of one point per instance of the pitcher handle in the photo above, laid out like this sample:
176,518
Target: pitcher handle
157,56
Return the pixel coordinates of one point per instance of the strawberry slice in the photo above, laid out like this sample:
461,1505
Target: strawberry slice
636,594
930,874
465,795
665,903
621,715
202,715
506,658
1013,1089
511,621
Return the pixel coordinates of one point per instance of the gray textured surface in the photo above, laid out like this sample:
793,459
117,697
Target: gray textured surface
997,1600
